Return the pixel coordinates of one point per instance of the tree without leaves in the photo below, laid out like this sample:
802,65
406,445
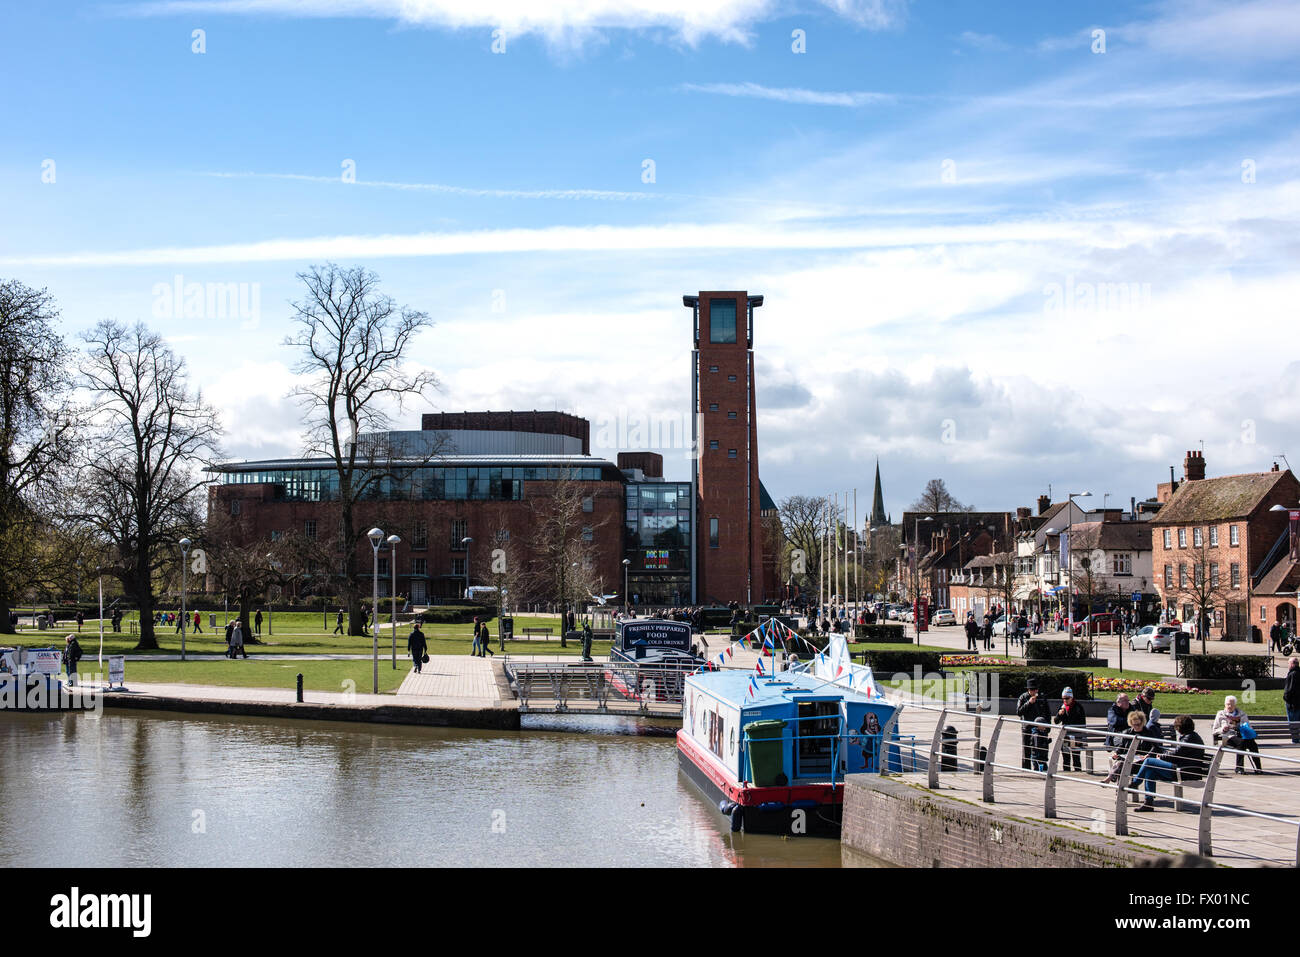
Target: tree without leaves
37,428
563,568
137,485
353,341
1203,591
804,523
937,498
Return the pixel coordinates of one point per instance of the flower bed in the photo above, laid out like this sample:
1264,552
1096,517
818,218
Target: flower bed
1137,684
952,660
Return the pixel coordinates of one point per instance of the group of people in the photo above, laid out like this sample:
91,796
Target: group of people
1154,759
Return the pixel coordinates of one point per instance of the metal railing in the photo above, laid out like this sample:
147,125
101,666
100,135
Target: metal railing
599,687
1043,748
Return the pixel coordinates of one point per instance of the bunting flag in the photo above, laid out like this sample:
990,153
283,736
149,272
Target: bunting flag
768,644
753,688
839,671
731,650
759,667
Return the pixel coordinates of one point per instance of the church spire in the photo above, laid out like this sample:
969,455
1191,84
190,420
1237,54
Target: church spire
878,502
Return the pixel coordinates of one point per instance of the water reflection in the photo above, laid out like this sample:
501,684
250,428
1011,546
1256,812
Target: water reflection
159,790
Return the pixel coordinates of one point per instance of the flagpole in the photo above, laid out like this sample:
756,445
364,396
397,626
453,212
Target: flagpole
857,580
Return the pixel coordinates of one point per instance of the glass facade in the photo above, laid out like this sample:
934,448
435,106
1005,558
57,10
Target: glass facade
416,484
657,524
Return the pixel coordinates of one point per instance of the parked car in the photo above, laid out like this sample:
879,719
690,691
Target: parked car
943,616
1153,638
1099,623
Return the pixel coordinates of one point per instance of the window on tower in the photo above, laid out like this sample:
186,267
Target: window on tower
722,320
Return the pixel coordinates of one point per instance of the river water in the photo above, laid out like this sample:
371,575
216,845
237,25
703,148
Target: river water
137,790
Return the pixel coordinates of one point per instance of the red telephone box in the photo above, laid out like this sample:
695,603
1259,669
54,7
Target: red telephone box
921,614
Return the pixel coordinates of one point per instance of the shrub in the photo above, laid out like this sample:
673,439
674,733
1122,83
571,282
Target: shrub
1227,666
885,663
1057,648
887,633
1012,682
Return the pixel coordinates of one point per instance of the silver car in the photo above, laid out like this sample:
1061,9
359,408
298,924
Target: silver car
1152,638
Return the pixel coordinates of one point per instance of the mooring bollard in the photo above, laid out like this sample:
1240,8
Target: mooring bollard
300,687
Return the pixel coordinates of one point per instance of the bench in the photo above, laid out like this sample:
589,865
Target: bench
544,632
1179,784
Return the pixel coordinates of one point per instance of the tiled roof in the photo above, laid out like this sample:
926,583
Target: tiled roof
1115,536
1217,499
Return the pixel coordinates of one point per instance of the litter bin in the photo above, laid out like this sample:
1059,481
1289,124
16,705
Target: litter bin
1182,644
42,623
507,628
948,746
212,620
766,751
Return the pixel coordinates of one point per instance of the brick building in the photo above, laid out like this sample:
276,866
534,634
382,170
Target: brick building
729,497
1220,538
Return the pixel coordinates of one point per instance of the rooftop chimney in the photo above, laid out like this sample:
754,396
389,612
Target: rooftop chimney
1044,503
1023,513
1275,468
1194,466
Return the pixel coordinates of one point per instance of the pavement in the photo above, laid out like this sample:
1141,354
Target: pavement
1087,805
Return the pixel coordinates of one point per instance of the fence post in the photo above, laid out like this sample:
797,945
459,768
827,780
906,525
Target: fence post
989,758
1121,790
886,733
933,780
1049,783
975,749
1204,845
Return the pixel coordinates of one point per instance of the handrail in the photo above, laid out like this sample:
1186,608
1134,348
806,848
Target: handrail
1214,756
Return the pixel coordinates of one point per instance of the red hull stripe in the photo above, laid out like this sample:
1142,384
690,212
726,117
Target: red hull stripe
746,794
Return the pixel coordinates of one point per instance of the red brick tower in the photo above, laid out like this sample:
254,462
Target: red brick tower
728,532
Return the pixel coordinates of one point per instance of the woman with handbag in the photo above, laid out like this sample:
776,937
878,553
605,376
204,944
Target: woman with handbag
1232,726
417,646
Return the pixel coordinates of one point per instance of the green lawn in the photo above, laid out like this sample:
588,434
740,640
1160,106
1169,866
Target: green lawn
297,633
316,675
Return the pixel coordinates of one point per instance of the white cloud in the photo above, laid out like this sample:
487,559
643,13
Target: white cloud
488,193
851,98
560,21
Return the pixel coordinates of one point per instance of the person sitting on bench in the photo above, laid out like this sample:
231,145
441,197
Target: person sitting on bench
1188,759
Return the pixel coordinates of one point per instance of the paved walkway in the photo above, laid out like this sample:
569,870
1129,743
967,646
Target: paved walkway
461,680
1238,840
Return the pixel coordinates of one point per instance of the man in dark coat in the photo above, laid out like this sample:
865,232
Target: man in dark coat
417,646
1117,719
1031,706
1291,699
988,632
972,633
230,629
72,655
1071,714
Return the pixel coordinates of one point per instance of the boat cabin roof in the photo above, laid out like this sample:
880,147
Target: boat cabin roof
732,686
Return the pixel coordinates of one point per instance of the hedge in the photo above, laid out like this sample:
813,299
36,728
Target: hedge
1011,681
887,633
1057,648
1227,666
885,663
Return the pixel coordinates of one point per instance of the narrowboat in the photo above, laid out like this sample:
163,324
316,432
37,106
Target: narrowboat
771,751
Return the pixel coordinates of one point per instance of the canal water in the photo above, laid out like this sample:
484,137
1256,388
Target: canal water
168,790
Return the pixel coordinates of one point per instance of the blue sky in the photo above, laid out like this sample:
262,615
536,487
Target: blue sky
990,251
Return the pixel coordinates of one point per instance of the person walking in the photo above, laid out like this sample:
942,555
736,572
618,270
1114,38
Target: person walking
1233,726
417,646
180,623
230,632
474,649
71,655
972,632
987,631
237,640
81,618
338,623
197,619
1291,698
257,622
485,640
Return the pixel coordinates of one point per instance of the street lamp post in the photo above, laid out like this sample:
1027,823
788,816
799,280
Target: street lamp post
270,605
1069,552
393,542
627,599
99,573
467,542
376,536
185,550
916,577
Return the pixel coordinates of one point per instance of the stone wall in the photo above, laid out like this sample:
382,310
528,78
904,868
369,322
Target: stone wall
912,827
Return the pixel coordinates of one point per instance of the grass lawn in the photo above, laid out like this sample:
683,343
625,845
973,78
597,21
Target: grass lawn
295,633
316,675
896,646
